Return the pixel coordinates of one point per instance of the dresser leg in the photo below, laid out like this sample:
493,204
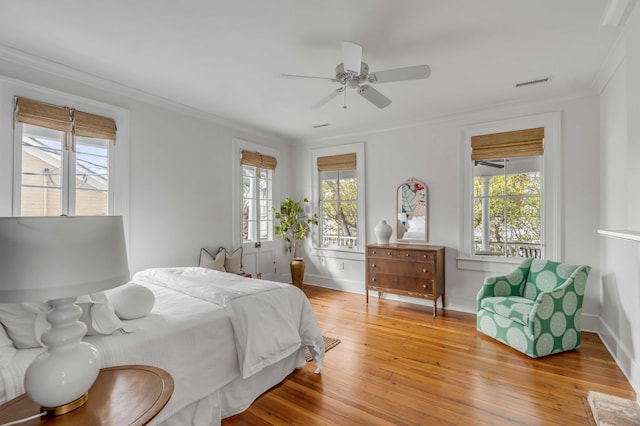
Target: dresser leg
379,295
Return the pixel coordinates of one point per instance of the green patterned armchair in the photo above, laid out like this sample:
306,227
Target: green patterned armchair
536,309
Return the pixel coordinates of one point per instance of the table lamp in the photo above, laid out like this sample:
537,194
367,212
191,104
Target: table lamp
56,259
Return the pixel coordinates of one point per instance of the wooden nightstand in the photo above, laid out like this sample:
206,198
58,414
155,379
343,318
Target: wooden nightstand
122,395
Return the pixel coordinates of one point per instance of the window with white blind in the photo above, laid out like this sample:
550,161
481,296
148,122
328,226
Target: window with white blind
511,184
62,161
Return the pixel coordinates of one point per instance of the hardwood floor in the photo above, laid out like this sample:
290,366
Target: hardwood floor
396,365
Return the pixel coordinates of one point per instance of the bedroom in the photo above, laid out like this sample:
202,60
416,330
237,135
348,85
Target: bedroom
172,147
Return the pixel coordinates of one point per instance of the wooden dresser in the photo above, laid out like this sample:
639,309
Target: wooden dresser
415,270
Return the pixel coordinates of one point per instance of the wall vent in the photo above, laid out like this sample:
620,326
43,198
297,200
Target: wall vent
526,83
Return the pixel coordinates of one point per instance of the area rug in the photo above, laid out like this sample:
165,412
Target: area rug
329,342
609,410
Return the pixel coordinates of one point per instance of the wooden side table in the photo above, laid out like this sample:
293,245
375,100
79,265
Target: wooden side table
122,395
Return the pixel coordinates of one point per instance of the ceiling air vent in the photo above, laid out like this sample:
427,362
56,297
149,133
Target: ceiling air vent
527,83
317,126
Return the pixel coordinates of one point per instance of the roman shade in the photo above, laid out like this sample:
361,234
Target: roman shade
518,143
337,162
93,126
64,119
43,115
256,159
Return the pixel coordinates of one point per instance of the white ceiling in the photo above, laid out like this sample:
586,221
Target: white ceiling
224,57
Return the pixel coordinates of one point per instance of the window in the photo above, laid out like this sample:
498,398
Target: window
62,163
338,191
511,192
339,208
506,212
257,196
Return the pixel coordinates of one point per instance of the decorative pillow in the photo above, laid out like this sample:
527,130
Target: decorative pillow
207,260
233,261
132,301
98,314
25,323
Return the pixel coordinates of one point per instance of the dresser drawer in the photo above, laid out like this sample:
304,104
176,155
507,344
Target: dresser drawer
381,253
415,285
382,280
382,266
416,255
415,269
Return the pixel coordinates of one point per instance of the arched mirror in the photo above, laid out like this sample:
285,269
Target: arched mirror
412,224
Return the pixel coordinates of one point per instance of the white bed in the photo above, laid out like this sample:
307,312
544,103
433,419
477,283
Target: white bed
224,339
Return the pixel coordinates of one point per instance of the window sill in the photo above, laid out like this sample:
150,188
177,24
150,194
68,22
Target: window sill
338,254
486,264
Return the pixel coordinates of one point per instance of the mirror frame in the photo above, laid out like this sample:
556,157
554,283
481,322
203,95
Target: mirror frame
422,187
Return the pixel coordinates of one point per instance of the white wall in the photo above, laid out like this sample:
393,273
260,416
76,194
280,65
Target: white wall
431,153
620,204
180,172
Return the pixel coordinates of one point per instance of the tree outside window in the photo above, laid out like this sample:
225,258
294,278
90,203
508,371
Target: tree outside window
339,209
507,207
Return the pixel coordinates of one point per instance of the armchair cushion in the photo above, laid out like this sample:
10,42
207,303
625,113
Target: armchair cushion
515,308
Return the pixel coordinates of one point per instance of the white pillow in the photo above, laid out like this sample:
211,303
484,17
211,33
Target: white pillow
98,314
25,323
132,301
233,261
207,260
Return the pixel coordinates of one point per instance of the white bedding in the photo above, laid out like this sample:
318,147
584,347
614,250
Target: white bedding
199,319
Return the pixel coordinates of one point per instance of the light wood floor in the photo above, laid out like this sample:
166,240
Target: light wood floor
396,365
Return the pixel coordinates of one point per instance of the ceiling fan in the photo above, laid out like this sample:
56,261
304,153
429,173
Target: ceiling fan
352,73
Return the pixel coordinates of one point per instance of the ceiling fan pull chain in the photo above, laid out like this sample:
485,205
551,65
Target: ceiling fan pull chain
345,98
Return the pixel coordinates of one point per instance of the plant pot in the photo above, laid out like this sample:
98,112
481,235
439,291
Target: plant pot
297,271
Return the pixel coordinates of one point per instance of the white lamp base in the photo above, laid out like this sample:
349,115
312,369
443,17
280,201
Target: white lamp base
59,378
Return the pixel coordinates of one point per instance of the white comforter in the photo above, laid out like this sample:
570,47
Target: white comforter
207,328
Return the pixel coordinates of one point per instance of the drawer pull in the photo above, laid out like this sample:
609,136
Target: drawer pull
373,265
373,279
375,252
424,270
424,286
389,253
407,255
424,255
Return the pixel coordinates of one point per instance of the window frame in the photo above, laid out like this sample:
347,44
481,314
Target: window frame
119,162
68,162
236,183
551,207
357,252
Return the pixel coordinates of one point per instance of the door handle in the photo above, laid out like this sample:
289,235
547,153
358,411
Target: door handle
258,244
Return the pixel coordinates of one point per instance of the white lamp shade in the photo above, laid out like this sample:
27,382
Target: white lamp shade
43,258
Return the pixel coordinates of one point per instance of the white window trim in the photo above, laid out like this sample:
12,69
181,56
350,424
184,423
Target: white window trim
551,190
119,162
236,182
357,253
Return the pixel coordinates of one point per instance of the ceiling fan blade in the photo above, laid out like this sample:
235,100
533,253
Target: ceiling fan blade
307,76
400,74
351,56
327,98
373,96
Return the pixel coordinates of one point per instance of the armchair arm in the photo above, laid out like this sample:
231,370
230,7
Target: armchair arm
504,285
544,304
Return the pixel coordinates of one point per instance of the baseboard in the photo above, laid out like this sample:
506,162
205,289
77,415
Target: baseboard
621,355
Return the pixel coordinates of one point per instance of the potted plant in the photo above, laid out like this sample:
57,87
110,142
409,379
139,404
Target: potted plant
294,227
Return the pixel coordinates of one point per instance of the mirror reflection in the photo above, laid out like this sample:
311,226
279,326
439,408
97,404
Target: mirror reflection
412,224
